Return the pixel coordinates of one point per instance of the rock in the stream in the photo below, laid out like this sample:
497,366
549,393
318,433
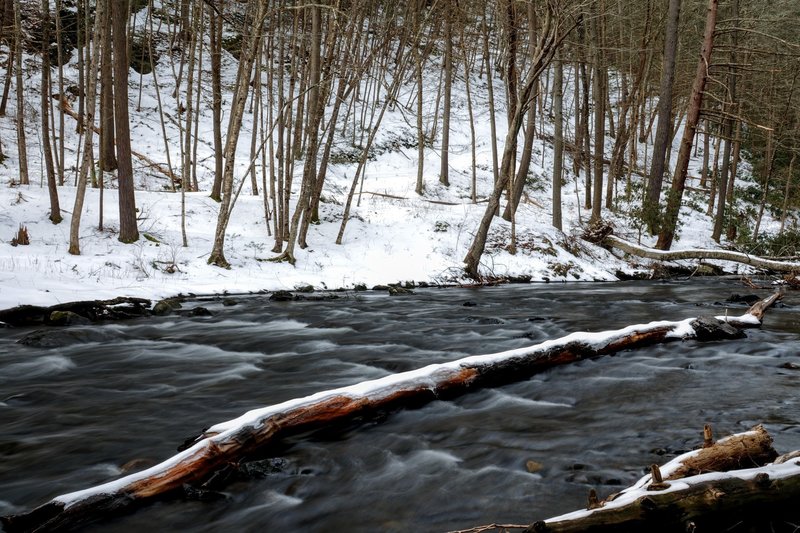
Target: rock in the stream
397,291
281,296
60,337
199,311
66,318
708,328
166,306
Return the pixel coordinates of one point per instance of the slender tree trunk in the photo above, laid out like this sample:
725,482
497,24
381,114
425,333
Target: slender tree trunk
22,148
490,95
107,141
660,145
215,43
599,88
47,147
88,128
420,187
548,40
60,45
558,141
444,169
727,132
128,231
667,232
251,42
787,188
315,109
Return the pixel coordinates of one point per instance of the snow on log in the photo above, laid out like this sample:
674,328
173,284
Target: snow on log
230,442
709,489
721,255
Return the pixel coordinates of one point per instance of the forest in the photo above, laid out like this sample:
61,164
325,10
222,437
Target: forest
645,108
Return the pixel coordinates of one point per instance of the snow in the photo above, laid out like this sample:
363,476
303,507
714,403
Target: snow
394,235
640,488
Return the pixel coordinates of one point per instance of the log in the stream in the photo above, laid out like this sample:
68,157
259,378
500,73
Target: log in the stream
233,441
720,255
736,482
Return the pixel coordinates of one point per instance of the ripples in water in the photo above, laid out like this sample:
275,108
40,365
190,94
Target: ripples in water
73,414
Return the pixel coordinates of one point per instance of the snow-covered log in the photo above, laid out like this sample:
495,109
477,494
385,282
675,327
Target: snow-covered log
231,442
720,255
710,489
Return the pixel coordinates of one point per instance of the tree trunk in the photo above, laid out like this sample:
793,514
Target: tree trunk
598,92
548,40
88,128
250,46
490,95
215,44
661,143
108,156
787,189
668,229
444,169
315,109
22,148
231,442
128,231
47,146
558,141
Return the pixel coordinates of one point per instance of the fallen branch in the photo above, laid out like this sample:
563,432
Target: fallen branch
65,106
721,255
710,489
233,441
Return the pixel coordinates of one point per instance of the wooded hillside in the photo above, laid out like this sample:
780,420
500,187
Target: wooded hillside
295,89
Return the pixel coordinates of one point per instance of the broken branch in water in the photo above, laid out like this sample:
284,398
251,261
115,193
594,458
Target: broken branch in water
710,489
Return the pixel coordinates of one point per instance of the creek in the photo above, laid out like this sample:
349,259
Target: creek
73,413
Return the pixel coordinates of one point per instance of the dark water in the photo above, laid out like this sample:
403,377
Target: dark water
70,416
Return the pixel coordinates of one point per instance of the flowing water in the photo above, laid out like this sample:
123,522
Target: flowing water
71,415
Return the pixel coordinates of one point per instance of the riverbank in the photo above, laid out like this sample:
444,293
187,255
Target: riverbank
388,241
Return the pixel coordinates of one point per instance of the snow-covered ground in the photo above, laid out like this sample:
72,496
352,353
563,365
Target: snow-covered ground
394,235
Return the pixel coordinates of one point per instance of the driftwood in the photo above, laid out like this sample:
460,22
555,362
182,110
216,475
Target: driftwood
231,442
721,255
736,480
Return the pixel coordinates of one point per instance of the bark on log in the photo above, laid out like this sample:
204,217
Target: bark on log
721,255
231,442
705,490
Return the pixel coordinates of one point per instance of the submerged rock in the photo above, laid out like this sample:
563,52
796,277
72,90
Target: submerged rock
166,306
67,318
281,296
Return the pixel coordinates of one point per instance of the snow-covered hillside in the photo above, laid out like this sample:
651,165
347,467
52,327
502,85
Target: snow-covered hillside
393,236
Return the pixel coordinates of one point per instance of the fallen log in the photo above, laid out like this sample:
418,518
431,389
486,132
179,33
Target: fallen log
233,441
720,255
710,489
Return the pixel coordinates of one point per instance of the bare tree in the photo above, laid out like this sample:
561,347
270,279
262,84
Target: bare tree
555,26
47,146
128,230
661,144
668,228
